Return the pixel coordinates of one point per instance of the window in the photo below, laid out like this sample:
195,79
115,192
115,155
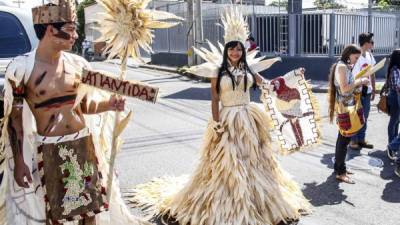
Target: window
13,38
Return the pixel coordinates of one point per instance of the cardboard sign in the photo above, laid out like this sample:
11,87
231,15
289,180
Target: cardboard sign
371,69
121,87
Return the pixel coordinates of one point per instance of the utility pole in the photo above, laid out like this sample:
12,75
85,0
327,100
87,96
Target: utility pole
19,2
294,9
199,27
190,33
369,15
254,22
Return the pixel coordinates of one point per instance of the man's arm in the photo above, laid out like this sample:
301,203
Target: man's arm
16,134
373,78
115,103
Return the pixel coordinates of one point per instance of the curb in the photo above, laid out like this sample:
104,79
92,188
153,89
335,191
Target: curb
204,79
160,68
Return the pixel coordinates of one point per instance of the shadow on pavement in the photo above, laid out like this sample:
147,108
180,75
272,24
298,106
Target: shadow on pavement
192,94
391,193
170,221
165,220
327,192
204,94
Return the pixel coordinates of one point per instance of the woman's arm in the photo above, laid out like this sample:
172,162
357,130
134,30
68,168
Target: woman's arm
259,79
214,100
345,87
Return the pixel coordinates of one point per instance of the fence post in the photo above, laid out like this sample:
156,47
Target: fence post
168,37
294,8
332,24
292,34
198,28
369,15
397,33
190,32
254,23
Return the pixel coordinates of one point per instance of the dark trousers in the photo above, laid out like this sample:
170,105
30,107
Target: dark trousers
393,126
340,154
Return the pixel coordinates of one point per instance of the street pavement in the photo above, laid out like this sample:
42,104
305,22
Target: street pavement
165,139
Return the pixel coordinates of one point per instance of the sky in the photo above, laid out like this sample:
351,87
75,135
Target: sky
306,3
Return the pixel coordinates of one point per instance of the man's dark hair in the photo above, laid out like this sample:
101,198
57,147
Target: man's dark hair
251,39
40,29
365,38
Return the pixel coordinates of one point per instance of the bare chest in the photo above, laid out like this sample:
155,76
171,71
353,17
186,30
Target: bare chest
51,84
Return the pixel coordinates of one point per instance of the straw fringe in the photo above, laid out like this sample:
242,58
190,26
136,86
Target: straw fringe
238,180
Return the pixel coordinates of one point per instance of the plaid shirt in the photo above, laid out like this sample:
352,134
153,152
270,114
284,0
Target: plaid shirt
394,81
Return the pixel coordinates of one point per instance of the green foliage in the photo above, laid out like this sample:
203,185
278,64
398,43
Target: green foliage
328,4
387,4
281,3
81,24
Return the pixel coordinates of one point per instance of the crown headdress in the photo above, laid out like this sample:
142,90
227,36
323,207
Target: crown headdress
55,12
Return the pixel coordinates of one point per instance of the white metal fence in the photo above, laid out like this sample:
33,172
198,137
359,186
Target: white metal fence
315,33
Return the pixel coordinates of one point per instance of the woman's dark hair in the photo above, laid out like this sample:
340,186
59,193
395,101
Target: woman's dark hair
40,29
345,57
393,61
225,66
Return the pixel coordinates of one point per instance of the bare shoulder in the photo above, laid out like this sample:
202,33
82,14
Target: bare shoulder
341,68
16,68
77,60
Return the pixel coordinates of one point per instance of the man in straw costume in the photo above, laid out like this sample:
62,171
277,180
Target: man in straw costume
56,153
238,180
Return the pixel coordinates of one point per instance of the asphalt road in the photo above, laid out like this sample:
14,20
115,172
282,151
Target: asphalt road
165,139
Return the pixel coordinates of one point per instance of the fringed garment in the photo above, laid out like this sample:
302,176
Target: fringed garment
27,205
238,180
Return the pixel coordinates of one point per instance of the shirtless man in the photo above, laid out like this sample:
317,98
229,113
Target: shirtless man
51,92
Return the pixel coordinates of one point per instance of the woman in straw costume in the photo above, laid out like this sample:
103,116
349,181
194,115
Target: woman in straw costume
238,180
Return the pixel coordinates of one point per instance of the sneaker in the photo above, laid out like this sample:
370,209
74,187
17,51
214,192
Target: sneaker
397,169
364,144
391,154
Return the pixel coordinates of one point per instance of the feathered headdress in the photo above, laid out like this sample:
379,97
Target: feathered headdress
236,29
235,25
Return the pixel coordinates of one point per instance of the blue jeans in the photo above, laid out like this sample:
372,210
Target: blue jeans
393,106
366,103
394,145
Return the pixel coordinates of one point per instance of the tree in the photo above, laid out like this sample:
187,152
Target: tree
328,4
281,3
81,24
387,4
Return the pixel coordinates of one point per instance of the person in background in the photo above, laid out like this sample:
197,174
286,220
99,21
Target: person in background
368,91
393,82
342,87
250,44
253,44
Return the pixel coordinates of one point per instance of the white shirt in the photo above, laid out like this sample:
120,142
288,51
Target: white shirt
363,62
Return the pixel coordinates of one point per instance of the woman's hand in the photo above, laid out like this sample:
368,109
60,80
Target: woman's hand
301,70
217,127
361,81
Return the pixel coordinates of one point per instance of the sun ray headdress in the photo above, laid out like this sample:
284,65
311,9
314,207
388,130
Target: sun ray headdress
235,29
